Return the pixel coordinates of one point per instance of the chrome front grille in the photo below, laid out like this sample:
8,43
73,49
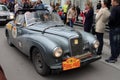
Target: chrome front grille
76,46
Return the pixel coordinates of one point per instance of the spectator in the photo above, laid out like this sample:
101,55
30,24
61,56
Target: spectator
26,4
71,16
102,18
54,9
11,6
83,17
114,24
17,6
65,8
57,7
5,3
98,5
78,12
69,4
51,7
39,5
33,4
60,13
89,14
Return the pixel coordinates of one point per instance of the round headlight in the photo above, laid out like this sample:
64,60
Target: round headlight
57,52
96,44
11,16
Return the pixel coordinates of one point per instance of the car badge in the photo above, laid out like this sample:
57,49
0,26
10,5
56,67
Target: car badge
76,41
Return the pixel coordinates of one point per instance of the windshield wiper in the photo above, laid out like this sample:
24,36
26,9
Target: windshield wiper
51,27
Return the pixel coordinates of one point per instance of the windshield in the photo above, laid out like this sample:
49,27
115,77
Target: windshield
41,17
3,8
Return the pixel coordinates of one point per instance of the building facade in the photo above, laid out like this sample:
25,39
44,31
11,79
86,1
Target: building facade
80,3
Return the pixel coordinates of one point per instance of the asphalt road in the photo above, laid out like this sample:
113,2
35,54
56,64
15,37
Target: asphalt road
18,67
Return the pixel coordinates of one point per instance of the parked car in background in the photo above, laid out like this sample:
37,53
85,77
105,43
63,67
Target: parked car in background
2,75
49,43
5,14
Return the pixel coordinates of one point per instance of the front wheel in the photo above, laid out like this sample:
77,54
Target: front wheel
39,63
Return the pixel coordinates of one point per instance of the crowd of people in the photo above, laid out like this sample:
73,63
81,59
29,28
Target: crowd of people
104,16
69,14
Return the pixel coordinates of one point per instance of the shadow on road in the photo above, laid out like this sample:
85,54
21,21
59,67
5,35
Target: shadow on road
73,74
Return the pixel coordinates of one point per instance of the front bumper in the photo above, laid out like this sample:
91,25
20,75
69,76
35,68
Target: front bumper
5,20
83,62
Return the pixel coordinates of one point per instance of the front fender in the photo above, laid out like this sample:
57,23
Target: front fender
47,46
87,37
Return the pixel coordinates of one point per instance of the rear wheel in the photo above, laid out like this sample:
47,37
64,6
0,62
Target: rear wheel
8,40
39,63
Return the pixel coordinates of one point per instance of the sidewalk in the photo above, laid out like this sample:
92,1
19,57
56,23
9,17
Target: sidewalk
106,55
79,23
106,51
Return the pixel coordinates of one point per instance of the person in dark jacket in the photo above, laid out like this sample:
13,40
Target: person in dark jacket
78,12
114,24
89,14
11,6
26,4
98,5
39,5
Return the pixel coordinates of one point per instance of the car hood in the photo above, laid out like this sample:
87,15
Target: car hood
4,13
63,31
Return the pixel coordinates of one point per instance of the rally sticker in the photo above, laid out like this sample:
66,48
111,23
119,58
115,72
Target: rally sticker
14,32
20,44
9,26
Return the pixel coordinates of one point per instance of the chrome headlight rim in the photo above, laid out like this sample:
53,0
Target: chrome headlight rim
96,44
57,52
11,16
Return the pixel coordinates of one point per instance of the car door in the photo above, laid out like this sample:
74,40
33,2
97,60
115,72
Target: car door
17,31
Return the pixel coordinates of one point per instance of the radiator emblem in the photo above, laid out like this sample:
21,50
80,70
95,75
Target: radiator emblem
76,41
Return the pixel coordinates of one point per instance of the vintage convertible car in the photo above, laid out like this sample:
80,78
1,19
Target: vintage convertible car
5,14
2,75
51,45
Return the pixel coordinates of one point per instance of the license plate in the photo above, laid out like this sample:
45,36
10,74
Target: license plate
71,63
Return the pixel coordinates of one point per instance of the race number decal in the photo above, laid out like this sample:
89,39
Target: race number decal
14,32
9,26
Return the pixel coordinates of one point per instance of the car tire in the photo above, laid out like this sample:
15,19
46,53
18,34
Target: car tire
39,64
9,41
